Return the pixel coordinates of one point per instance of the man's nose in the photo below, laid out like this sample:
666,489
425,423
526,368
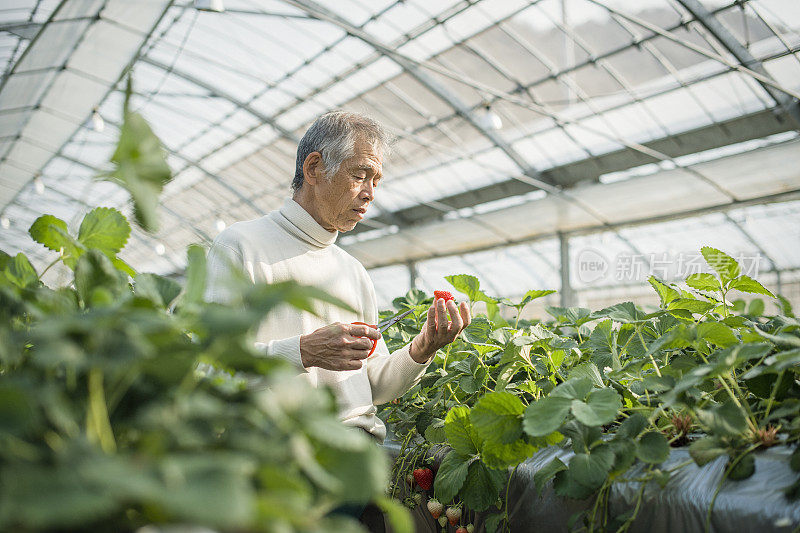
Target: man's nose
368,190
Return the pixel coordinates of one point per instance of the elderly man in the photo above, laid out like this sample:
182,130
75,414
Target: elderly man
339,167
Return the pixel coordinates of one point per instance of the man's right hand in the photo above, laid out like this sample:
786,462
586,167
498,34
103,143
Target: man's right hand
337,346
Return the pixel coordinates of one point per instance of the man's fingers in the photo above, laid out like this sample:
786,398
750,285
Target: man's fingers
457,323
431,322
441,316
465,316
360,330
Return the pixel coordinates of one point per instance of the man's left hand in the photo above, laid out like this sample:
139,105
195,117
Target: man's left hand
438,331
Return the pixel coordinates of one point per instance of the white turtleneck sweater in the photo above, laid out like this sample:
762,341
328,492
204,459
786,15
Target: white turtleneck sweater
288,244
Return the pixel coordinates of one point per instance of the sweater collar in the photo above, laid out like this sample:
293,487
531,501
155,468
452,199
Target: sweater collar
301,224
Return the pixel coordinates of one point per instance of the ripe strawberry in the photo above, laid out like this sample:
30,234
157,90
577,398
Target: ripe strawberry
435,508
424,478
453,515
462,529
443,294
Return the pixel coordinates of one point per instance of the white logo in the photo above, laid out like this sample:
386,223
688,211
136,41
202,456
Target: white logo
591,265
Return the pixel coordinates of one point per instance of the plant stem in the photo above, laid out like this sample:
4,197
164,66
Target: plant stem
773,393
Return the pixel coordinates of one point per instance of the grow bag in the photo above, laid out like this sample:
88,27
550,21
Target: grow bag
756,504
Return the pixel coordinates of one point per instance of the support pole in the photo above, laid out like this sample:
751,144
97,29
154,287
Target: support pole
567,293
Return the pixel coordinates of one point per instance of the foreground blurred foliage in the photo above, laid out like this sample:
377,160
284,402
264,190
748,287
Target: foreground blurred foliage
125,400
106,423
618,387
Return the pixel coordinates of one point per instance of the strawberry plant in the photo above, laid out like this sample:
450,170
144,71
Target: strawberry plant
617,388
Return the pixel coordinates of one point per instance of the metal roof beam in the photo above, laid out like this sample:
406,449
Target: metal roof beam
529,173
220,93
789,105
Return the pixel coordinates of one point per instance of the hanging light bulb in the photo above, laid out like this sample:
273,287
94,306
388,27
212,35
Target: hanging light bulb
220,224
98,124
38,185
5,223
490,120
209,5
160,249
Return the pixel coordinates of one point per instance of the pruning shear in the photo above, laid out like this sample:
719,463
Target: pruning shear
385,324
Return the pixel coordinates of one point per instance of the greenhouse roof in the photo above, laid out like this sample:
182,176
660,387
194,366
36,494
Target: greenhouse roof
517,123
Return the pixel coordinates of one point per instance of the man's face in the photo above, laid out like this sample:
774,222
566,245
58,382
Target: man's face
342,202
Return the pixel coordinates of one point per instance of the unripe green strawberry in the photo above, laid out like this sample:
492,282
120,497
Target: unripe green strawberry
417,497
453,515
442,520
410,479
470,528
435,508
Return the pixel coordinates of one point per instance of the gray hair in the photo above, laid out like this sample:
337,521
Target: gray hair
334,135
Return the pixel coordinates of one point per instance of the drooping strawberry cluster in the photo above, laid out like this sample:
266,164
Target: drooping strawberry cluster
443,294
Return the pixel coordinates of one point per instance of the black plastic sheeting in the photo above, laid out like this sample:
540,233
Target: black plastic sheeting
756,504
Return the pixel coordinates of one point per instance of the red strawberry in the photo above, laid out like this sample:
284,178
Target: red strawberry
453,515
435,508
424,478
443,294
462,529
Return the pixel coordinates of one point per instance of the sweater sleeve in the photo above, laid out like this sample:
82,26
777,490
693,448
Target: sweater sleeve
222,263
391,375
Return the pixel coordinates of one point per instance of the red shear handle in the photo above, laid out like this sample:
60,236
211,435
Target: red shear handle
374,342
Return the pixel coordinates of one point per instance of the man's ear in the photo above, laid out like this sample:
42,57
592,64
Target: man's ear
313,168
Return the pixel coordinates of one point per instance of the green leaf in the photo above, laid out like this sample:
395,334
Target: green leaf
665,292
545,416
493,522
52,233
705,450
469,285
692,305
575,389
478,331
482,486
652,447
570,315
546,473
398,516
19,272
747,284
755,307
724,420
451,475
97,281
497,416
632,427
744,468
704,282
140,165
624,312
716,333
591,469
600,407
460,433
722,263
104,229
196,274
587,370
498,455
158,289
